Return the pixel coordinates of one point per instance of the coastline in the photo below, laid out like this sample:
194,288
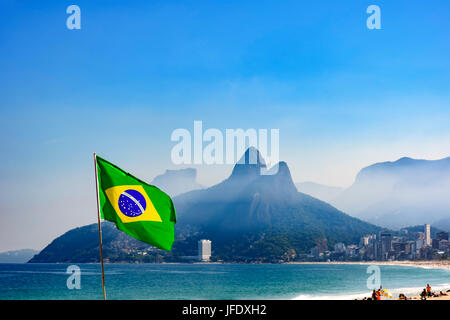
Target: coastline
444,264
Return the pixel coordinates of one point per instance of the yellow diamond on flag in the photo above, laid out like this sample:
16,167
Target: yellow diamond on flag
132,204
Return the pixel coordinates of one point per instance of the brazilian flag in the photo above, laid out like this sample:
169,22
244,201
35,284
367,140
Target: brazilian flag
137,208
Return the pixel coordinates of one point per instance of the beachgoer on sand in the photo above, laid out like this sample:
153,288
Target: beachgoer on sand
378,294
428,290
423,295
374,295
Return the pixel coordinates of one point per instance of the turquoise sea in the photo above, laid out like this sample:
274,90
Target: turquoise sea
212,281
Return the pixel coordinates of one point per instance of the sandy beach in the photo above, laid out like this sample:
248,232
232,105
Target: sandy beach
433,298
438,264
445,264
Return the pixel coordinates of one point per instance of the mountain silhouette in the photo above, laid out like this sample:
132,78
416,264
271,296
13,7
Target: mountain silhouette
249,216
400,193
250,212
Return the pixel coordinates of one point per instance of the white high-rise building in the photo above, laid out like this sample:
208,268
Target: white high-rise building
204,250
427,231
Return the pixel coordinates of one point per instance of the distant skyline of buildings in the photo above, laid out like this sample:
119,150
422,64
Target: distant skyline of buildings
388,246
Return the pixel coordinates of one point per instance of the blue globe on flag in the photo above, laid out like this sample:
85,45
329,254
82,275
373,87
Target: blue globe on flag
132,203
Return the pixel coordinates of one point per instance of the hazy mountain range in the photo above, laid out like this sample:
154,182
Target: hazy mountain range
251,214
248,216
175,182
395,194
17,256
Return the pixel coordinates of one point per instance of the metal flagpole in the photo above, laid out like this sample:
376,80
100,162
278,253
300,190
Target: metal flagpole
99,226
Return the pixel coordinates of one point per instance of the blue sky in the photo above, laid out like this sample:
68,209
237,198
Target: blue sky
342,96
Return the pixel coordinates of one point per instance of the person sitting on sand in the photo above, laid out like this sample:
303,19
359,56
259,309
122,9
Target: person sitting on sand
374,295
402,297
378,294
423,295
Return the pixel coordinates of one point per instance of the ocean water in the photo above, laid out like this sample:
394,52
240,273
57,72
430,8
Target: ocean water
212,281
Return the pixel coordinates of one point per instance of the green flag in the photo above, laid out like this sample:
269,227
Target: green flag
137,208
